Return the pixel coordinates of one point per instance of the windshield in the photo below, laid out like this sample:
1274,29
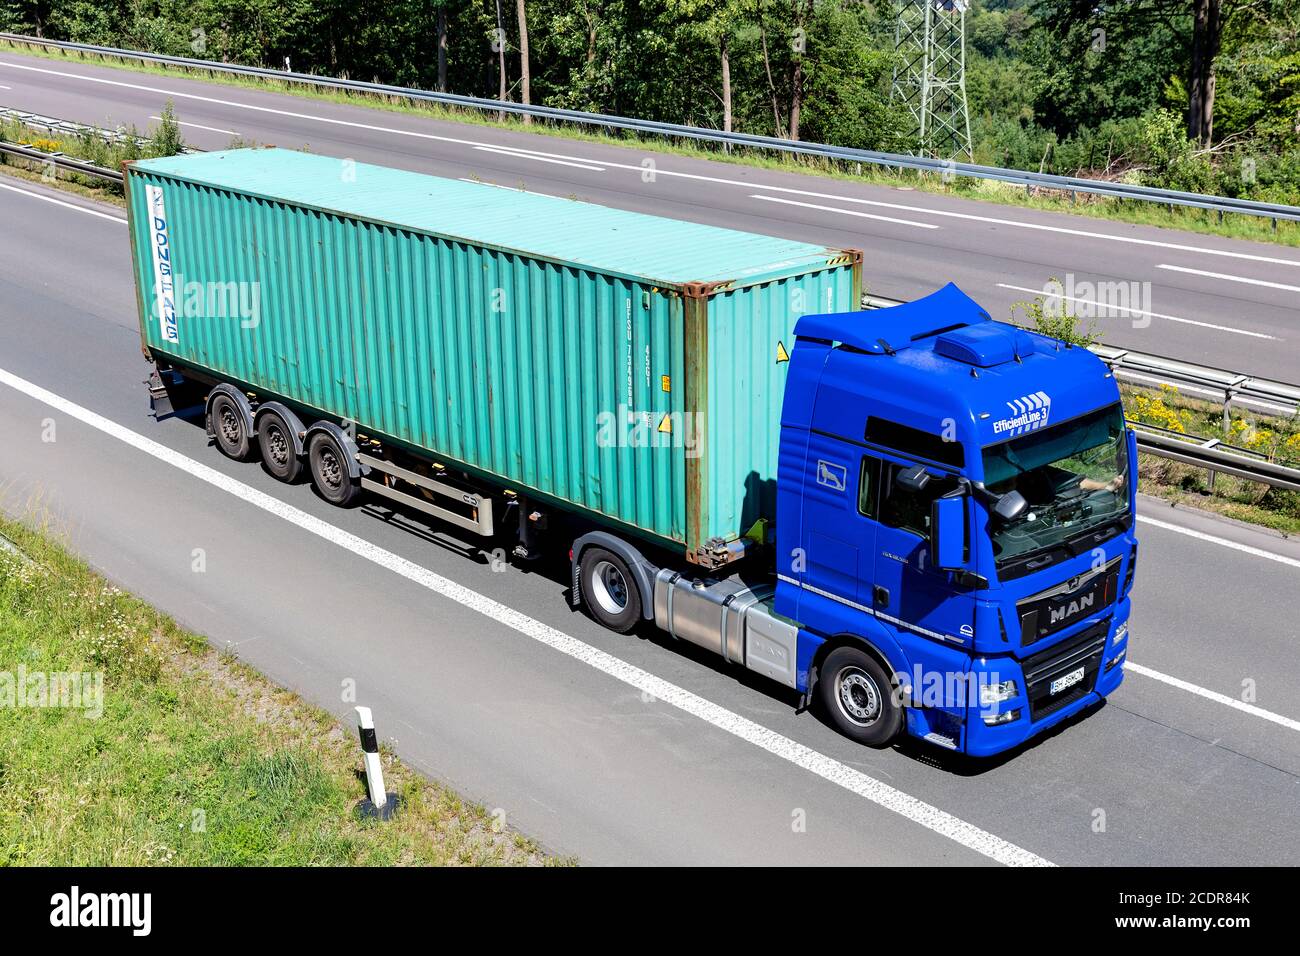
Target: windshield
1074,476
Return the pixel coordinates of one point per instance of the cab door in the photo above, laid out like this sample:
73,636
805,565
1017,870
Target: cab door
909,591
933,617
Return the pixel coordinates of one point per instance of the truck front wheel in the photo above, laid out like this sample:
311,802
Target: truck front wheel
330,472
858,697
609,591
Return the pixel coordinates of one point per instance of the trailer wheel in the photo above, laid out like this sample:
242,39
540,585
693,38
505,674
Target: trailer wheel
275,441
857,695
329,471
609,591
228,428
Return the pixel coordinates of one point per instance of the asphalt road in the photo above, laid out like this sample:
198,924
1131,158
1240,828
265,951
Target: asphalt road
1198,298
547,717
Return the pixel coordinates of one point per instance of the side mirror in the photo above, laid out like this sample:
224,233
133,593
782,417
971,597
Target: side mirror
1010,506
948,536
914,478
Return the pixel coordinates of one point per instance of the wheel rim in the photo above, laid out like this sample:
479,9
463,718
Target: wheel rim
228,422
858,697
331,475
277,446
609,588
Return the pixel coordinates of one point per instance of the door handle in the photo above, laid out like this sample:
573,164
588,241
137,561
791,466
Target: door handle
880,596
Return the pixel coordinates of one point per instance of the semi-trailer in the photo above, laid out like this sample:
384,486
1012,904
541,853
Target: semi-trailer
917,517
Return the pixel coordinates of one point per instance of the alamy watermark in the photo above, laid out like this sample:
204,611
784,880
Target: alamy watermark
1086,299
192,299
73,690
630,428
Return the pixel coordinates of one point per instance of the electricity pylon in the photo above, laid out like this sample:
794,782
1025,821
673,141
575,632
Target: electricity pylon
930,74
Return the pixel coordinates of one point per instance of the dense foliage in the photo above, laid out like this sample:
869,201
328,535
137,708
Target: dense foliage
1193,94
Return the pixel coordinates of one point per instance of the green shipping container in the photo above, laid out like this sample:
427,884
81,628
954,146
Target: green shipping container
617,363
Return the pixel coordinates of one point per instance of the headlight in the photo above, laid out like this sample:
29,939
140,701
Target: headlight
1005,717
992,694
1121,632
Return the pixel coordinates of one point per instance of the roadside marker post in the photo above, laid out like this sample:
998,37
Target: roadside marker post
380,805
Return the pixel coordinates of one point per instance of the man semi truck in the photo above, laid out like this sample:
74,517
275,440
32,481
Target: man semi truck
917,517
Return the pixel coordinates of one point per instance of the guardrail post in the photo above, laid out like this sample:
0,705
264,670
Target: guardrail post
1210,472
1229,392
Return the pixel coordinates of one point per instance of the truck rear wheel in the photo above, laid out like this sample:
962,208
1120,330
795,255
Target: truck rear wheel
609,591
276,442
330,472
858,697
227,424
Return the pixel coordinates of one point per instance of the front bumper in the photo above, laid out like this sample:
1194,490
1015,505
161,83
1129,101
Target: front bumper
1033,704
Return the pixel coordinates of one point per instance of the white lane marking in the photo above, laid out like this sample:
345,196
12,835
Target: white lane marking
210,129
248,106
513,189
5,87
539,159
846,212
1229,278
1213,695
539,152
1202,536
60,202
881,794
1121,308
1042,227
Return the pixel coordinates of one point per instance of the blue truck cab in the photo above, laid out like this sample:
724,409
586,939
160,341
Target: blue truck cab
955,505
954,533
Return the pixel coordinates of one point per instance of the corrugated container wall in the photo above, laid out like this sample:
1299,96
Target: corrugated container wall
624,364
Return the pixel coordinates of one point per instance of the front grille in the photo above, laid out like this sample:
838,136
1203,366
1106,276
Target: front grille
1084,650
1058,607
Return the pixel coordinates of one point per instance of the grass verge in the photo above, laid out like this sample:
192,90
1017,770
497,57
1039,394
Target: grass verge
77,185
1250,501
1135,211
97,149
188,757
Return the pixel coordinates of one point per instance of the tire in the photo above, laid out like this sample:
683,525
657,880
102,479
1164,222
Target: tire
275,440
227,422
609,591
858,697
329,471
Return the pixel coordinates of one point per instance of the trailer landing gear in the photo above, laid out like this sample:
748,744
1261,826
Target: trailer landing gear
531,521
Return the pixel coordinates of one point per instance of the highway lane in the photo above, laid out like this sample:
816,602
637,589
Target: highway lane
914,241
576,758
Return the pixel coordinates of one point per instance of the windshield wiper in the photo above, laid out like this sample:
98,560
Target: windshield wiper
1091,537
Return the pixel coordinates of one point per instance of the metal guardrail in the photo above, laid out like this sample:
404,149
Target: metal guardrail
946,168
1260,394
1215,456
1208,453
52,124
59,161
62,127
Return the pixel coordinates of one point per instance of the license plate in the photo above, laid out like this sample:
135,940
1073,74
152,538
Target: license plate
1069,680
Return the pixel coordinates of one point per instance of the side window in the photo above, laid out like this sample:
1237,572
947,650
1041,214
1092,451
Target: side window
910,510
914,443
868,486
